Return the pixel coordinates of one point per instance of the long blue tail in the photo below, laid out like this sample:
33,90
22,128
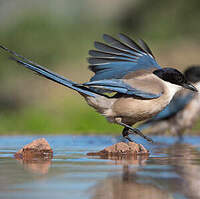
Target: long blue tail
49,74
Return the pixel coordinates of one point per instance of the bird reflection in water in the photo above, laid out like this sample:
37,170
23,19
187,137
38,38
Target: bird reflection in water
125,185
131,159
185,159
174,176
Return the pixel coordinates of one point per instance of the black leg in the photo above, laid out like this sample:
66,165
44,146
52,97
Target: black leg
127,132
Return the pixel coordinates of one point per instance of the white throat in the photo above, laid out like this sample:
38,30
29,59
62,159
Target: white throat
197,85
172,89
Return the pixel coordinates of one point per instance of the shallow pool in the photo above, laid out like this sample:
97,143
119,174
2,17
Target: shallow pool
171,171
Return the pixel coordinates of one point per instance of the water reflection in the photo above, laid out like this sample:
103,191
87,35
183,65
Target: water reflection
126,185
175,176
37,166
186,161
126,159
171,171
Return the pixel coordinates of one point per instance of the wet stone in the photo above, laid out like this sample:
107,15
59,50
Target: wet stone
121,149
38,149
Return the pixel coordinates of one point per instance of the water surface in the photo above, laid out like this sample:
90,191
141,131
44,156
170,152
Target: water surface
171,171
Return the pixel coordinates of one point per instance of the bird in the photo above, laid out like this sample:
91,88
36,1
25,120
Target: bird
183,110
128,84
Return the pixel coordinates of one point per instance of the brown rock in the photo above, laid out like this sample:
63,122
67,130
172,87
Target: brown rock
121,149
38,149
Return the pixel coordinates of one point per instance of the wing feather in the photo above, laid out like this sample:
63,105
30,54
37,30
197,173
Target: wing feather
117,44
146,47
117,58
118,85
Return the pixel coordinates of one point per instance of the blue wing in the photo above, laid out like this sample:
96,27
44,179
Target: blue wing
119,86
177,104
117,58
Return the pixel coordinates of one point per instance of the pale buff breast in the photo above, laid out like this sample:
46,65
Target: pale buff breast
132,110
135,110
186,118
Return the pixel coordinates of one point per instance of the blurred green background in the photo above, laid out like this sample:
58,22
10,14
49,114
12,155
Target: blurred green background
58,34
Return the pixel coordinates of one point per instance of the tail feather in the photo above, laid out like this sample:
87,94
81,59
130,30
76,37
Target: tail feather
49,74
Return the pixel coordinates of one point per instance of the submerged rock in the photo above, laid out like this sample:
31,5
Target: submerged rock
122,149
38,149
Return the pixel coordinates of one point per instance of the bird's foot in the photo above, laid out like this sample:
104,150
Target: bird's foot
136,131
130,131
125,134
128,138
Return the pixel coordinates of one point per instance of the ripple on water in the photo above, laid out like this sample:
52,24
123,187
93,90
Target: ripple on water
171,171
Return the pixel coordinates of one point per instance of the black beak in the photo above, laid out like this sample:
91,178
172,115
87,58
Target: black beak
189,86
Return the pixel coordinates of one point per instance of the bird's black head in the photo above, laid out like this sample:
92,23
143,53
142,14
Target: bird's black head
174,76
192,74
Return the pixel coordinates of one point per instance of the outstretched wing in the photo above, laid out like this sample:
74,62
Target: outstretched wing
120,86
117,58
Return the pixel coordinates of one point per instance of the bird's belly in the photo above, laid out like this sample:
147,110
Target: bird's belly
133,110
101,104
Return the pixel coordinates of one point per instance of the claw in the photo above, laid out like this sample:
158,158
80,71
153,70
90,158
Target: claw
128,138
129,130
